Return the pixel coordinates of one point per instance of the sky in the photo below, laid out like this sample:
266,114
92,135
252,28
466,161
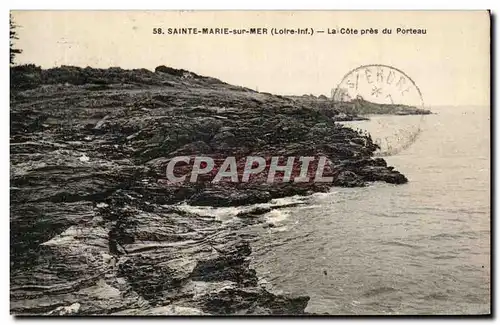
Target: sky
450,64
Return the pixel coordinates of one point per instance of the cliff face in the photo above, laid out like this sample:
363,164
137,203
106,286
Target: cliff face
92,229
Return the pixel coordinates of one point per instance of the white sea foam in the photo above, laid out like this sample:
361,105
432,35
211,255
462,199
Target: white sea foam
220,213
277,216
227,213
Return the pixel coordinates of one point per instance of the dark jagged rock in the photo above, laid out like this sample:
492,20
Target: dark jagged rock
228,196
253,301
90,229
348,179
254,212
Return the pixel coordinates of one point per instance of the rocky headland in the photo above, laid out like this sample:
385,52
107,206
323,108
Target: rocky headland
356,109
94,224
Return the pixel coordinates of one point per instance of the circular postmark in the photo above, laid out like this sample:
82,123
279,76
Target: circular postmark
389,99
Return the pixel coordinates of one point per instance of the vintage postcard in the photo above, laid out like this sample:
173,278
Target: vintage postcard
250,163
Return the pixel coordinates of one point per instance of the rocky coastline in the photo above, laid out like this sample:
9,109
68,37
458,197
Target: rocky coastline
357,109
93,222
